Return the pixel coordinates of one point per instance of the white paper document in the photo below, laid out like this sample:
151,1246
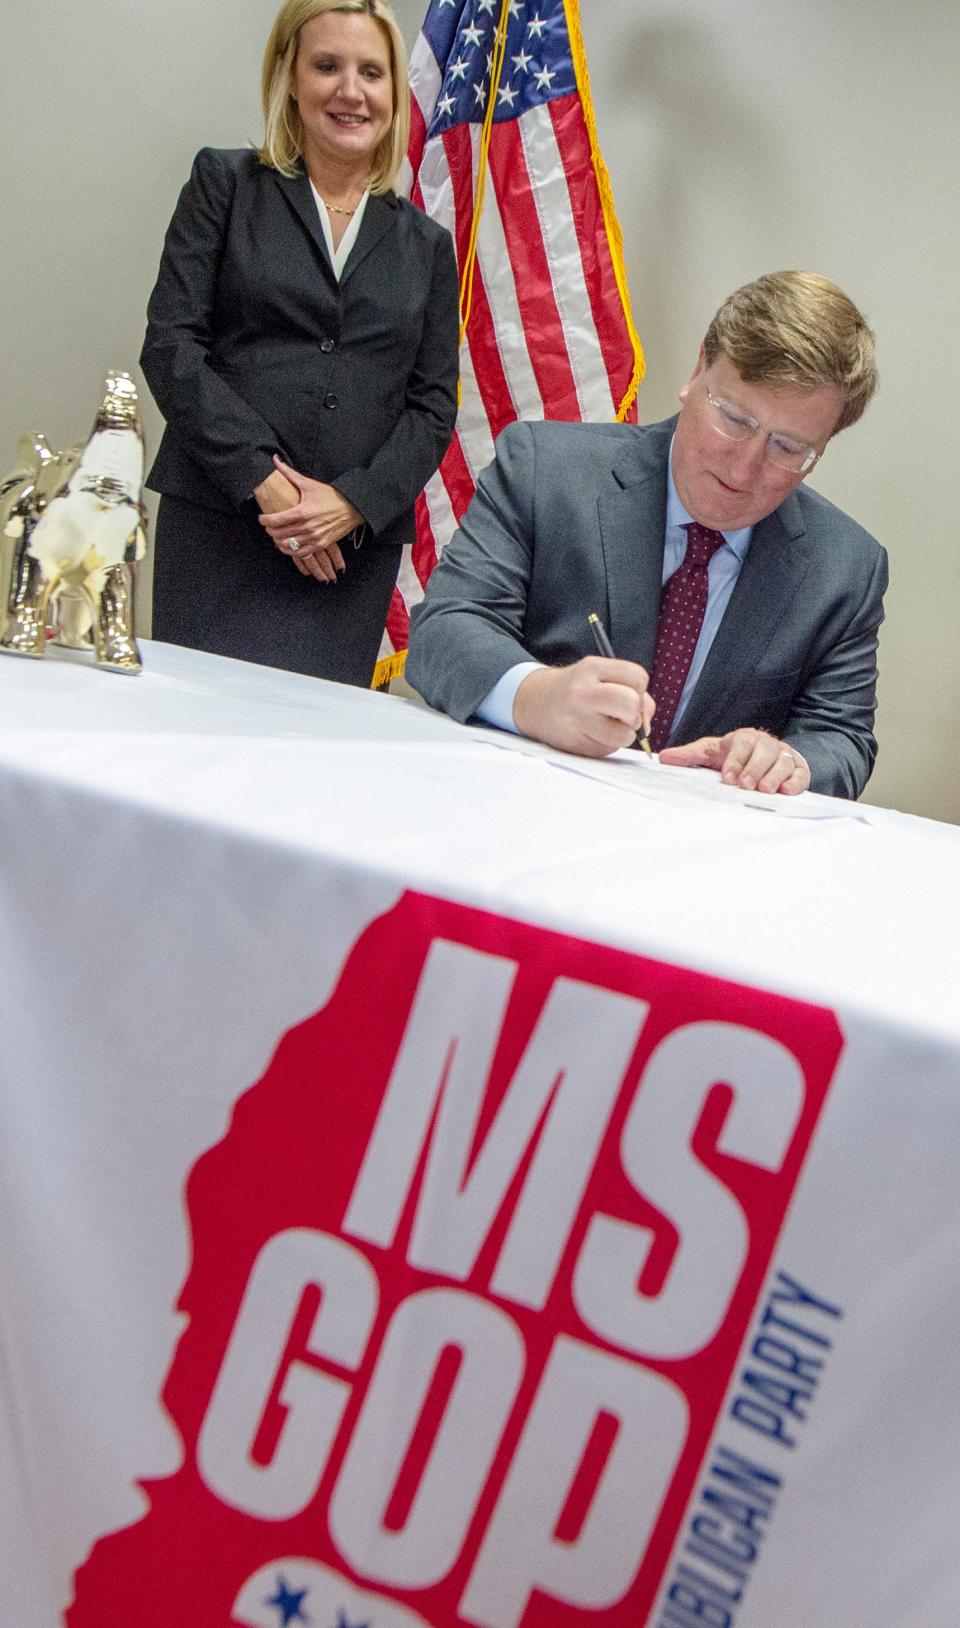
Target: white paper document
632,771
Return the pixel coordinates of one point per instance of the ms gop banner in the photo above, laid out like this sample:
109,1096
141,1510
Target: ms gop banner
482,1322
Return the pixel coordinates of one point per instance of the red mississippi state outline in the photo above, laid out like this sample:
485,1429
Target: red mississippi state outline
289,1159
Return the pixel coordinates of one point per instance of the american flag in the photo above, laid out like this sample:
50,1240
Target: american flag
503,151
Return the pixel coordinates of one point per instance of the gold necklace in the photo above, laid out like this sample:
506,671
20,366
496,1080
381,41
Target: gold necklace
336,210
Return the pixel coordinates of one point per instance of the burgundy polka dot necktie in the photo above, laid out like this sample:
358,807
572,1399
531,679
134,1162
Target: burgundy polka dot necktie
683,602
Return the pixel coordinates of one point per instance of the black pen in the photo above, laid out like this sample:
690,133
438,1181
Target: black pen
605,648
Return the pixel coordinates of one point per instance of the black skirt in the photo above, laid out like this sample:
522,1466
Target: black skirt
219,584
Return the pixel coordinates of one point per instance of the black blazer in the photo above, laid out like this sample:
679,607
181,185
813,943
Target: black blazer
253,347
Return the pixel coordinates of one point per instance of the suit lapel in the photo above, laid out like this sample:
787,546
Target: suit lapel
378,219
632,525
772,575
296,189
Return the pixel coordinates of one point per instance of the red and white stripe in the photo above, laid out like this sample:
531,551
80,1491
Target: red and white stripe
548,336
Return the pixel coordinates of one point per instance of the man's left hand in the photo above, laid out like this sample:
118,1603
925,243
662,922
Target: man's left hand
748,758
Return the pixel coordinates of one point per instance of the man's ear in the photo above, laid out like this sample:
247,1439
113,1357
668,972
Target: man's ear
700,367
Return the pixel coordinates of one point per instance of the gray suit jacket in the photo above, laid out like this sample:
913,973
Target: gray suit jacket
570,519
253,347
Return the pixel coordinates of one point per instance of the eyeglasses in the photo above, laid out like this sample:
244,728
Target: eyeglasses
783,450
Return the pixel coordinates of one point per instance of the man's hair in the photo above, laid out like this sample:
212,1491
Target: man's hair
283,128
796,328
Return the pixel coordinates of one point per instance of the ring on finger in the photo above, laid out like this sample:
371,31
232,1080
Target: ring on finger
293,544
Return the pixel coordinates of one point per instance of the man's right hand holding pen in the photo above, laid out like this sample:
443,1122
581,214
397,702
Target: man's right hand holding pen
592,707
605,648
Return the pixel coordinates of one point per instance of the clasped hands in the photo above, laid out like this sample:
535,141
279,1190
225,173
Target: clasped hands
315,516
598,705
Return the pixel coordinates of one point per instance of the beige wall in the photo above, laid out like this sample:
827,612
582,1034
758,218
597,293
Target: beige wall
741,137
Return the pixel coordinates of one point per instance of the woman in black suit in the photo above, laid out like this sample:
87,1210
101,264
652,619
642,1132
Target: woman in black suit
302,347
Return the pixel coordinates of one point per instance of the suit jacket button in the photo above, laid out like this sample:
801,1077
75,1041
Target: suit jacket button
327,344
330,400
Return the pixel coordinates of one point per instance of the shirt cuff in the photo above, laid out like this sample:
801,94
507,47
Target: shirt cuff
496,708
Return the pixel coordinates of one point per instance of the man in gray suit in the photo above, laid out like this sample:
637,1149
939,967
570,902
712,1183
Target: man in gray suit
773,681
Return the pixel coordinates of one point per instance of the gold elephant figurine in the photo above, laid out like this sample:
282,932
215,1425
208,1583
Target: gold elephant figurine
78,525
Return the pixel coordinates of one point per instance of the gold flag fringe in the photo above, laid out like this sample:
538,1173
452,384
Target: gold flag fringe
387,668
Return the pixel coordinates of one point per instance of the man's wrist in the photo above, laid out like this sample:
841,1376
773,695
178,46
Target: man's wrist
498,705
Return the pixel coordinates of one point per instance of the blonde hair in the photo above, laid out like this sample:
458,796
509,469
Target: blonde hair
282,126
796,328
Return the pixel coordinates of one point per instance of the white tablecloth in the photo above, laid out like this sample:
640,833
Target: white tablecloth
196,863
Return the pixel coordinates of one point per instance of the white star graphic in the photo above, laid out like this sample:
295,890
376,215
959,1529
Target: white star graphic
485,5
514,7
508,95
545,78
480,92
446,105
459,68
448,2
473,34
521,62
536,25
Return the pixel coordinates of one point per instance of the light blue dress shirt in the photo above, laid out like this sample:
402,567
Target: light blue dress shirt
497,705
